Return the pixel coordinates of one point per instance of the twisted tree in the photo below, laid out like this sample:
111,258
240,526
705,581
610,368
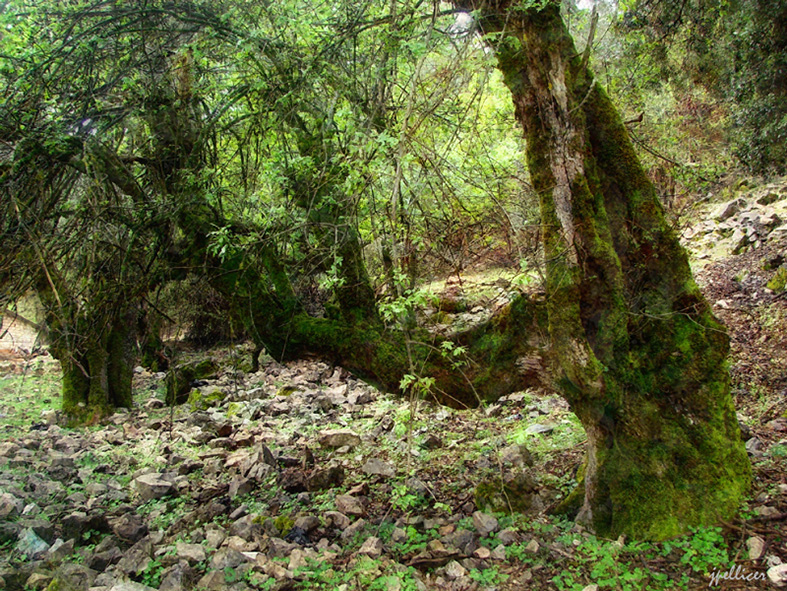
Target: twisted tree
636,350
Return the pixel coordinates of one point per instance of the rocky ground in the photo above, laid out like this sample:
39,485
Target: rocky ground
302,477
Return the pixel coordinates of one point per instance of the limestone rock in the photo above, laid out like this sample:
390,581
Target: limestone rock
376,467
330,477
153,486
191,553
350,532
778,575
130,528
756,546
484,523
38,581
30,544
337,520
307,523
227,558
349,505
726,210
532,547
454,570
213,581
10,506
372,547
339,438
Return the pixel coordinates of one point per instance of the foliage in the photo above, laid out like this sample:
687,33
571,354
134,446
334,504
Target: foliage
736,50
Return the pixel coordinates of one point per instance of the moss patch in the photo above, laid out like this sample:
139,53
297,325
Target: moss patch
779,280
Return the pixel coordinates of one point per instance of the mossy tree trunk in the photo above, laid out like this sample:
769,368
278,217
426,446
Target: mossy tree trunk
96,351
636,350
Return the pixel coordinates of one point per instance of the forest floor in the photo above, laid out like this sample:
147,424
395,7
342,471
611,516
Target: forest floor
301,476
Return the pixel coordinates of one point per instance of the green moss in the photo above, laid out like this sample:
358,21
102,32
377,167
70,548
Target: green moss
284,524
286,391
516,494
233,409
779,281
206,398
179,379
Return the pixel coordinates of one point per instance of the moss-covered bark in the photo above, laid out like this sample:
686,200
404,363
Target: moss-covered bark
496,362
95,347
636,349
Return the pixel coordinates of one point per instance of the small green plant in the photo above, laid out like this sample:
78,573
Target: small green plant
489,577
152,574
403,500
704,550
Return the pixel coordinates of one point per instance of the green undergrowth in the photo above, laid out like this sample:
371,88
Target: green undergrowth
24,397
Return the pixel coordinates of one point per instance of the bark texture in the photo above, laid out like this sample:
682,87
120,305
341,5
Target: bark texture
636,350
96,351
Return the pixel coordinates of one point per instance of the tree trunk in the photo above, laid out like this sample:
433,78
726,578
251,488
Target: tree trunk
96,353
502,355
636,350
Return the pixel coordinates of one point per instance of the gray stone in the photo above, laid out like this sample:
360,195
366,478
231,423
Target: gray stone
516,455
37,581
74,576
213,581
539,428
8,449
130,528
337,519
246,528
136,559
532,547
372,547
339,438
178,577
349,505
59,550
330,477
191,553
297,560
240,486
353,529
484,523
227,558
307,523
483,553
416,486
778,575
508,536
726,210
398,536
215,537
454,570
756,546
754,447
153,486
376,467
10,506
30,544
278,548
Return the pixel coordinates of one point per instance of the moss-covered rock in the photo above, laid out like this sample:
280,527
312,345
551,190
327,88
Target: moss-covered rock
517,492
180,378
205,398
779,280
